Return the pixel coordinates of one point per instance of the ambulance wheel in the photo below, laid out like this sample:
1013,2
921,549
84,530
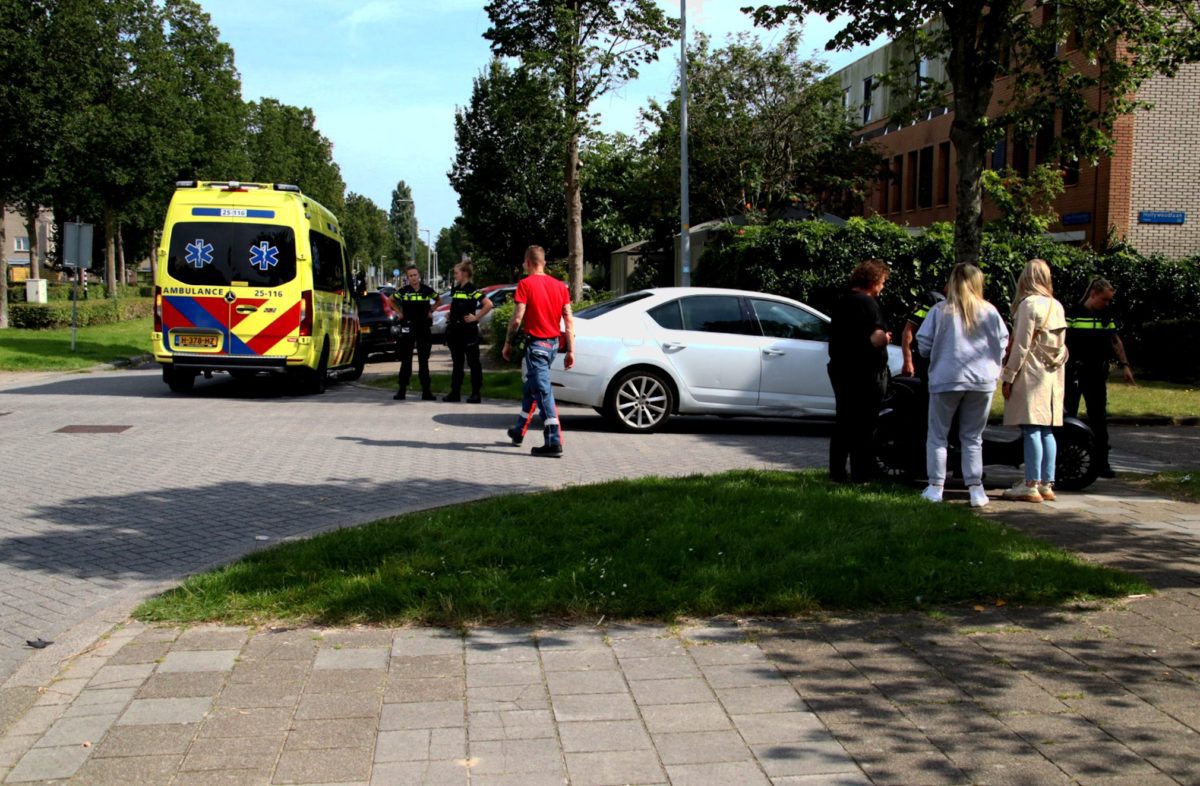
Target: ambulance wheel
178,380
357,365
313,381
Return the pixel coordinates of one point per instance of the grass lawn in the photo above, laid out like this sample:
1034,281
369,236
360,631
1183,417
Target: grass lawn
742,542
1144,400
496,384
1181,485
50,350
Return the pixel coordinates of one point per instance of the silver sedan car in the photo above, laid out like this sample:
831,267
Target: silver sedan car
645,356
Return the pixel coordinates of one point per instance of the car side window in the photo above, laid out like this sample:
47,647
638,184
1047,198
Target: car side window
667,315
714,314
781,320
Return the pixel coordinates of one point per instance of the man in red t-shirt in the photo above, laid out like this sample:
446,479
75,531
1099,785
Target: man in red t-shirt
544,305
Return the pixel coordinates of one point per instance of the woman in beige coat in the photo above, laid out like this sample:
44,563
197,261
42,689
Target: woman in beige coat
1035,379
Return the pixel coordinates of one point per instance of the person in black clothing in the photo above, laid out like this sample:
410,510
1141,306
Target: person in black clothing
467,306
858,339
914,363
1092,343
415,301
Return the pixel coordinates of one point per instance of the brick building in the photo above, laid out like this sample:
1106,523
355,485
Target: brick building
1147,192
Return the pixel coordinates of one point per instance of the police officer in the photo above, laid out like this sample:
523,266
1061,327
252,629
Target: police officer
1092,342
468,305
914,364
415,301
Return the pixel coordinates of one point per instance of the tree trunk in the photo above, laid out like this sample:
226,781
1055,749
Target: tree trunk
35,244
121,257
574,220
110,252
968,213
3,273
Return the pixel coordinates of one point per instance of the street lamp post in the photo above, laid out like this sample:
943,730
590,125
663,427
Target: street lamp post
685,230
428,254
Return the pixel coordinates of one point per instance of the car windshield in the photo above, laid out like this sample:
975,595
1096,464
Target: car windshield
209,253
370,304
600,309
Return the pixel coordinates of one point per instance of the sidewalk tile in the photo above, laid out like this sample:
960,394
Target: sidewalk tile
648,647
607,769
449,688
841,779
57,692
742,675
424,642
123,741
424,666
140,770
36,720
682,691
521,779
500,674
595,736
427,773
357,658
344,733
12,748
254,671
804,758
249,695
663,718
199,660
773,698
43,764
503,757
421,745
246,753
131,676
358,637
676,667
228,723
343,680
594,707
743,773
701,747
508,697
728,655
228,778
211,638
333,765
76,731
146,712
422,715
134,653
339,705
571,640
184,685
563,683
577,660
511,725
778,727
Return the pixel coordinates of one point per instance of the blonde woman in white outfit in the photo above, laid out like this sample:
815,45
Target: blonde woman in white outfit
964,339
1035,379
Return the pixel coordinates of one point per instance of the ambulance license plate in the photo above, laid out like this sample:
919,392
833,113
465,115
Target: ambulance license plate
203,342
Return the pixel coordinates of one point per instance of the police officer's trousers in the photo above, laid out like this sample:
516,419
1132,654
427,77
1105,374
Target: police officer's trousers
1090,382
423,343
463,343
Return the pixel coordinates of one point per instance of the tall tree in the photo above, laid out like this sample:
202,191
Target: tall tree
285,147
766,131
369,240
507,164
402,220
586,48
1121,43
453,245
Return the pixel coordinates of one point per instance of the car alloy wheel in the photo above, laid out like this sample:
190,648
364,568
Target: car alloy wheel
641,401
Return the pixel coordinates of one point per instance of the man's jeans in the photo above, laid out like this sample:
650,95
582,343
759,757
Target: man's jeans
539,354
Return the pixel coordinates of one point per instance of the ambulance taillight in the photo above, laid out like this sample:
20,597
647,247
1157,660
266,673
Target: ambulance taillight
158,310
306,313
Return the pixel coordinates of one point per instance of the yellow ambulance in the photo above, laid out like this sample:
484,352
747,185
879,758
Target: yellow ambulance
253,278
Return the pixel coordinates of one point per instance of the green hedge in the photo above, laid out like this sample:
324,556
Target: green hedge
811,260
57,314
1159,352
63,291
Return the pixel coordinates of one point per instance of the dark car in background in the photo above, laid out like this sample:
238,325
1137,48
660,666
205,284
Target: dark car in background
376,316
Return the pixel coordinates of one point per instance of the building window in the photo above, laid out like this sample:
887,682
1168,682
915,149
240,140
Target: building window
910,196
1043,143
925,177
21,243
867,91
922,72
943,180
846,98
1000,154
1070,172
897,203
1021,156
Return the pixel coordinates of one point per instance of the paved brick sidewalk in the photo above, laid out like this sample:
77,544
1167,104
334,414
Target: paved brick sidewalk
1099,694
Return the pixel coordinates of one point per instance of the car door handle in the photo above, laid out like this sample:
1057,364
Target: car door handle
775,353
673,345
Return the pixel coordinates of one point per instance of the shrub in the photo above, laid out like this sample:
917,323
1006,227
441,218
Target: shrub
501,316
57,314
1158,353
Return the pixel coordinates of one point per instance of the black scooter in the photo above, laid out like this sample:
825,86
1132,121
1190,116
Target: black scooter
900,441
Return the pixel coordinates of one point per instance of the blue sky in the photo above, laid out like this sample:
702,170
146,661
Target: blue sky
385,76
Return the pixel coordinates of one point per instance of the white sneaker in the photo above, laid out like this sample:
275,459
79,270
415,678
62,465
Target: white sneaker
1047,492
1022,493
932,494
979,497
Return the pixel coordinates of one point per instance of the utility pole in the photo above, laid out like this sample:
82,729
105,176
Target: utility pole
428,255
685,229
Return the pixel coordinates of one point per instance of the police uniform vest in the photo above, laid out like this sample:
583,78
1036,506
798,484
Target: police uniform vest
1090,335
464,300
416,306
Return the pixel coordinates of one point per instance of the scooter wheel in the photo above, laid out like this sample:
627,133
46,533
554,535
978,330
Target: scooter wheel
1076,467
